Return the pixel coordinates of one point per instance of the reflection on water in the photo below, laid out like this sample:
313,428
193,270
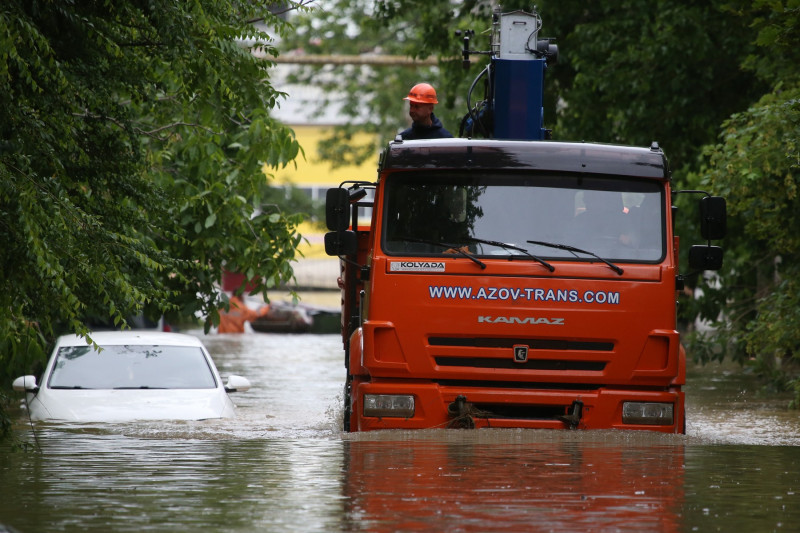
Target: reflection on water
96,482
283,465
512,481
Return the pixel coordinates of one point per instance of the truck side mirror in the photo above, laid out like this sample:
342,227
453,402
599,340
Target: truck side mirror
703,257
713,217
342,242
337,210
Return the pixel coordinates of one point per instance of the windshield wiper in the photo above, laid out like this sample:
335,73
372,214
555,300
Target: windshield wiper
449,247
137,388
573,249
507,246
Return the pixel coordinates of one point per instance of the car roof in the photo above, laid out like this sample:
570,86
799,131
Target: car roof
108,338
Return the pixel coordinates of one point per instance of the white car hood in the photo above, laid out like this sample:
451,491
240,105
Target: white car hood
130,405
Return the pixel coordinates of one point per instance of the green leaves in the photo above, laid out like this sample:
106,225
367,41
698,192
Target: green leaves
756,164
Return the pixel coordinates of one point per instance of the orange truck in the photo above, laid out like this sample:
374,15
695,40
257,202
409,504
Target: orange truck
514,283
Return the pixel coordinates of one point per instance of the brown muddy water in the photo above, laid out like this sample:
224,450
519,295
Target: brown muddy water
284,465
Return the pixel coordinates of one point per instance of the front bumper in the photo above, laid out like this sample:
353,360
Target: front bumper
447,405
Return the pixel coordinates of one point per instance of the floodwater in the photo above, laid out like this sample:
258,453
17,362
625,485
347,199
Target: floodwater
284,465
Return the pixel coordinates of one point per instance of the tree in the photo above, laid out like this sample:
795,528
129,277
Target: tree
756,165
132,138
369,96
635,71
628,72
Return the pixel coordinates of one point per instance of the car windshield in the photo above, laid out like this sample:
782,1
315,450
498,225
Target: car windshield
489,215
131,367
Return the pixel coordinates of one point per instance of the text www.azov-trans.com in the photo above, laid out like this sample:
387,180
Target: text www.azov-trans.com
530,294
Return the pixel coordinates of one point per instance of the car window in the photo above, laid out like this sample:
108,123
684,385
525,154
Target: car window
131,367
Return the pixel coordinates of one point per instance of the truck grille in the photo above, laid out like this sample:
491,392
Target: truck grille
530,364
533,363
465,385
533,344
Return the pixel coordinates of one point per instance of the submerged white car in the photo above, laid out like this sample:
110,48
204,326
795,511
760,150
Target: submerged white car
137,375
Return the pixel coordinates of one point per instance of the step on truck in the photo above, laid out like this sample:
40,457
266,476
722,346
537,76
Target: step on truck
514,281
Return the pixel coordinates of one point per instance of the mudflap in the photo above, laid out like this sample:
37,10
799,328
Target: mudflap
347,414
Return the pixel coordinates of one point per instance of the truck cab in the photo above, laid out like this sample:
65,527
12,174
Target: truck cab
506,283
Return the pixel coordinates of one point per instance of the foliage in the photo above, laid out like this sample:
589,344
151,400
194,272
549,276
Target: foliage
628,72
368,96
757,166
295,200
639,71
132,137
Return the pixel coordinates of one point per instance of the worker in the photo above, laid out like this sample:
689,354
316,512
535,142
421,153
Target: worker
232,321
421,99
604,216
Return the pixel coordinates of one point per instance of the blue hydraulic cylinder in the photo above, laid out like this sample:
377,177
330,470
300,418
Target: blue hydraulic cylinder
518,94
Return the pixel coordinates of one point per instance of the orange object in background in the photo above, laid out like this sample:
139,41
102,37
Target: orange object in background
231,281
232,321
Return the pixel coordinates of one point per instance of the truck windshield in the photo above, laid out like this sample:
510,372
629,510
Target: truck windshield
619,219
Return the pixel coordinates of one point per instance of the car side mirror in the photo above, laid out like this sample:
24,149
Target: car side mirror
713,217
703,257
237,384
25,384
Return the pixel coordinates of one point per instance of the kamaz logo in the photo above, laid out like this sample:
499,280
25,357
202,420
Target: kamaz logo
519,320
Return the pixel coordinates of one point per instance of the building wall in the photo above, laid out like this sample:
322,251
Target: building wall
315,176
315,172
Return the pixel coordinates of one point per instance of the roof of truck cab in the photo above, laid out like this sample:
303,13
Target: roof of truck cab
552,156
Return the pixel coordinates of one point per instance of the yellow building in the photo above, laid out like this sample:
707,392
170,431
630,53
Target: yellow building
315,176
313,172
314,268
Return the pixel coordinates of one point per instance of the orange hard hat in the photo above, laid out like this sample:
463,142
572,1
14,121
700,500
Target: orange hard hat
422,93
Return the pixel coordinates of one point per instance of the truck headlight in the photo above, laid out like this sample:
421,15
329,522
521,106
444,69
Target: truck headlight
647,413
389,405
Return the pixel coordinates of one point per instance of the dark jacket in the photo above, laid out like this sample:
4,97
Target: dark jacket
434,131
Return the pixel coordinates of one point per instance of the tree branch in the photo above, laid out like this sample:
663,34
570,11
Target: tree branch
293,6
152,133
